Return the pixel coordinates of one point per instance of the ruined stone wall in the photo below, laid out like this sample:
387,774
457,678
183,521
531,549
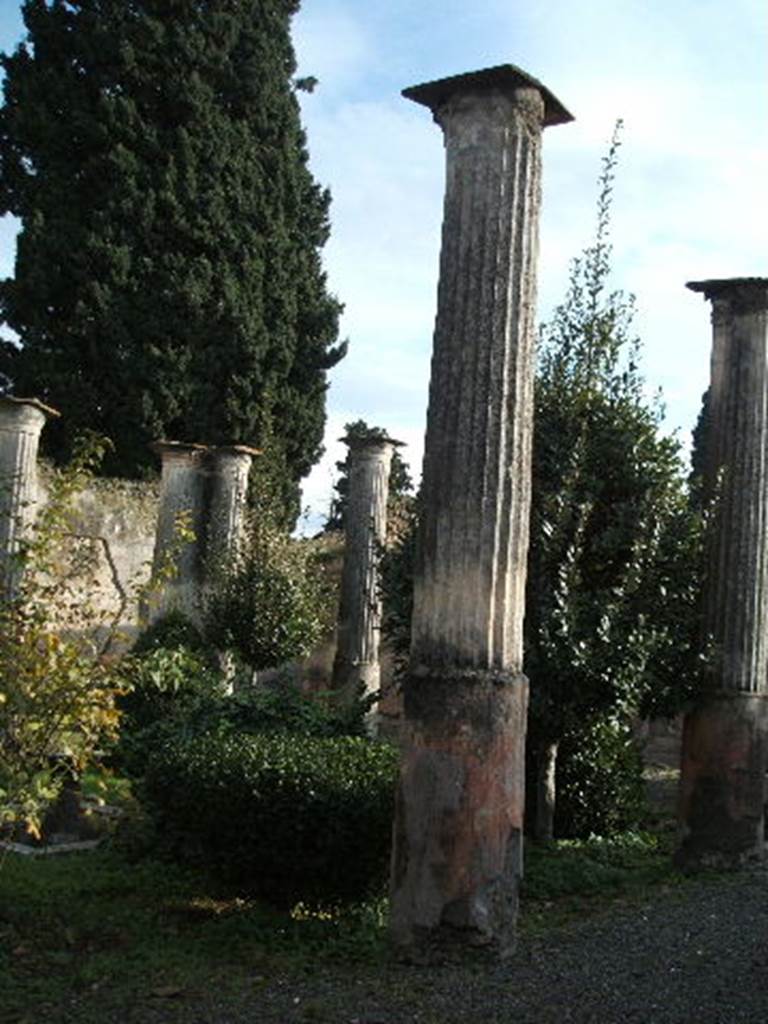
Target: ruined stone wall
115,525
116,520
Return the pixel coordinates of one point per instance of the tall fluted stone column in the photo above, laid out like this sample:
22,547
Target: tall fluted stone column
365,529
229,469
182,501
21,423
722,788
457,855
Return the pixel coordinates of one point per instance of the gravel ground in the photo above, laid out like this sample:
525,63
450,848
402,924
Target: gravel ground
697,956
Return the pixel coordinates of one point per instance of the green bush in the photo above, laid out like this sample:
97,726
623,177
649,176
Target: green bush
600,782
185,701
269,604
283,817
57,689
172,631
161,682
282,707
162,687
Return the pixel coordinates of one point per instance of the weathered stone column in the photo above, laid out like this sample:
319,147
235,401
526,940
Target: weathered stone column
229,469
457,855
182,498
21,423
722,786
365,529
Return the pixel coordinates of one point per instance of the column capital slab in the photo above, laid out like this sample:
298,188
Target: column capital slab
175,453
371,444
506,79
748,294
236,450
11,404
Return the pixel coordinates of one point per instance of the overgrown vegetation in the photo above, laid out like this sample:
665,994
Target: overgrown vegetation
176,693
58,691
270,602
610,625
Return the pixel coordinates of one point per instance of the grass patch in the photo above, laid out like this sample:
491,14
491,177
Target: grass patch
574,877
93,934
84,936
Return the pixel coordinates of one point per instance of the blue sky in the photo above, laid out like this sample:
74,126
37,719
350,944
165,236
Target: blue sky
690,80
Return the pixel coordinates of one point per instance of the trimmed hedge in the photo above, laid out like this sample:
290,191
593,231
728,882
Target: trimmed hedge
283,817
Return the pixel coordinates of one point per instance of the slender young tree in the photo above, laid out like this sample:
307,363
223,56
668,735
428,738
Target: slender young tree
168,278
611,580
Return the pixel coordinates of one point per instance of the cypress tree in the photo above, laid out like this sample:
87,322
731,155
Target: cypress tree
168,279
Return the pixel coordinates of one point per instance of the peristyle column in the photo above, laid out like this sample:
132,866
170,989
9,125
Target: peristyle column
457,856
365,529
229,468
722,787
181,509
21,423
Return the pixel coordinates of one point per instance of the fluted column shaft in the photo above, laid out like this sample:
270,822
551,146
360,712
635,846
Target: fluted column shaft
21,423
182,501
229,470
476,483
458,828
365,530
724,741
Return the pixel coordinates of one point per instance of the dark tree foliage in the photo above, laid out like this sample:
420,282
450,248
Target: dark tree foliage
700,440
168,278
400,482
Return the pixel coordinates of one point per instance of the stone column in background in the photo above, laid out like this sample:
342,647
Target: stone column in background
182,498
724,741
229,469
21,423
365,530
458,839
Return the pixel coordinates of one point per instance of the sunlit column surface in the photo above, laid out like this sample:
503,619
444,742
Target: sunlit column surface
457,854
229,469
365,528
180,529
21,423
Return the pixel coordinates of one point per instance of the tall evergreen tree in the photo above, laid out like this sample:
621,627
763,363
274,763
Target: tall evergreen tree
168,278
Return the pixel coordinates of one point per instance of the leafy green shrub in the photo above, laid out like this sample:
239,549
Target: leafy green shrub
172,631
600,790
286,818
162,681
269,604
282,707
57,688
161,688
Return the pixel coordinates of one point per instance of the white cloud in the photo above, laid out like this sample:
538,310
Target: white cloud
333,46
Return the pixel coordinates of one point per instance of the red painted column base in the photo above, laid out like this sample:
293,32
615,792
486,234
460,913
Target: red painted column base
722,782
458,837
